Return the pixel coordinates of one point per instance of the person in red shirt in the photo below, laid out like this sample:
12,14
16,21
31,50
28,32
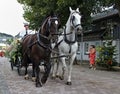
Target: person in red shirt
1,54
92,55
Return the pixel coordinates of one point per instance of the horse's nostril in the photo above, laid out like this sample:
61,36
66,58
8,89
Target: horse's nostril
78,29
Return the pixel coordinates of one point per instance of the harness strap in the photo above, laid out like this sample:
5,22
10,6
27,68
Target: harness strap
58,43
32,44
42,45
38,41
66,40
70,48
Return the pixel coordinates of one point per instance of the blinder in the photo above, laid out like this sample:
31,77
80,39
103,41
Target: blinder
49,34
50,20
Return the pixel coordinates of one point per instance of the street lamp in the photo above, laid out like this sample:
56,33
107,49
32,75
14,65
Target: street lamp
81,47
26,25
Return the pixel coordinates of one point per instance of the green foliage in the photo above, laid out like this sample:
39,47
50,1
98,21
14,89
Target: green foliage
36,10
9,41
107,54
14,51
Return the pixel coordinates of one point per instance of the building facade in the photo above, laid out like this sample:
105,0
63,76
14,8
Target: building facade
3,40
103,24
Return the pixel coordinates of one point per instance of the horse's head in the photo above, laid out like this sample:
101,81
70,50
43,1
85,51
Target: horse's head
50,27
75,19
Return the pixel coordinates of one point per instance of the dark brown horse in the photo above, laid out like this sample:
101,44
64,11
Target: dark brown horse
37,48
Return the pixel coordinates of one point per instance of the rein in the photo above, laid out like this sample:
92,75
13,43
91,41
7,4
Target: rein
44,46
38,41
63,34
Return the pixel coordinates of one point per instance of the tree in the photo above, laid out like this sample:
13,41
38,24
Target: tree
107,52
36,10
9,41
107,55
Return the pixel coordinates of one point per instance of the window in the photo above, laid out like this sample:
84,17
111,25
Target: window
103,24
86,48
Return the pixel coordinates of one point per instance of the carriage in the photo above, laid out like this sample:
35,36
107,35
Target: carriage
14,54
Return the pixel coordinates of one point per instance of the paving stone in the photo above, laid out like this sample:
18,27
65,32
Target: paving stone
84,81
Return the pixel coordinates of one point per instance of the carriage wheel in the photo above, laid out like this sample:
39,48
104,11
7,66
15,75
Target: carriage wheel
11,65
18,65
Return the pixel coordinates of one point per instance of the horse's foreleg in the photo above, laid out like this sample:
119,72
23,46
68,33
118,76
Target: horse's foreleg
63,68
38,83
26,74
47,72
57,68
33,73
70,69
25,64
53,69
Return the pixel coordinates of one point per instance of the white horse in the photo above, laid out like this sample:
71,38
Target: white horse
67,44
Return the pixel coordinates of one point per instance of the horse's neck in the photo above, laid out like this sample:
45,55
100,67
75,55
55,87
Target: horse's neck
43,31
43,28
70,31
42,38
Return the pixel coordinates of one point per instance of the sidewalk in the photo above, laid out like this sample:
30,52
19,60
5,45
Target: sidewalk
85,64
3,85
84,81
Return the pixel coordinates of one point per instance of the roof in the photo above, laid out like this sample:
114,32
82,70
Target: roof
105,13
2,44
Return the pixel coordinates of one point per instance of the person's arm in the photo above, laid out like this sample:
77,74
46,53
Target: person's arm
93,51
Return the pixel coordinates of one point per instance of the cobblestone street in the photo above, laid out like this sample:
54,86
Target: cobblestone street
84,81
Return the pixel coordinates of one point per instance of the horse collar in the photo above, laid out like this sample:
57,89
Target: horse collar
41,43
68,41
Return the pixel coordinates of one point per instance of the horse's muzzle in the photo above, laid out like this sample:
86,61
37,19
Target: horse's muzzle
79,28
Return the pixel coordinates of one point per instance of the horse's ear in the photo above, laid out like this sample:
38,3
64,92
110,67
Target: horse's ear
77,9
70,9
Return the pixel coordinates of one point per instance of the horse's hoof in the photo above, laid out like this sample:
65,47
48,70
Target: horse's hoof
38,84
33,79
43,80
61,77
69,83
53,77
26,77
57,76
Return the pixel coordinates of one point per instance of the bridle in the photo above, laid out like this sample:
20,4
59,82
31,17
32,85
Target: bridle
48,23
50,19
72,20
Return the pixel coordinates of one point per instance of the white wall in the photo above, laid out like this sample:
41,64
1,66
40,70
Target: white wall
82,49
